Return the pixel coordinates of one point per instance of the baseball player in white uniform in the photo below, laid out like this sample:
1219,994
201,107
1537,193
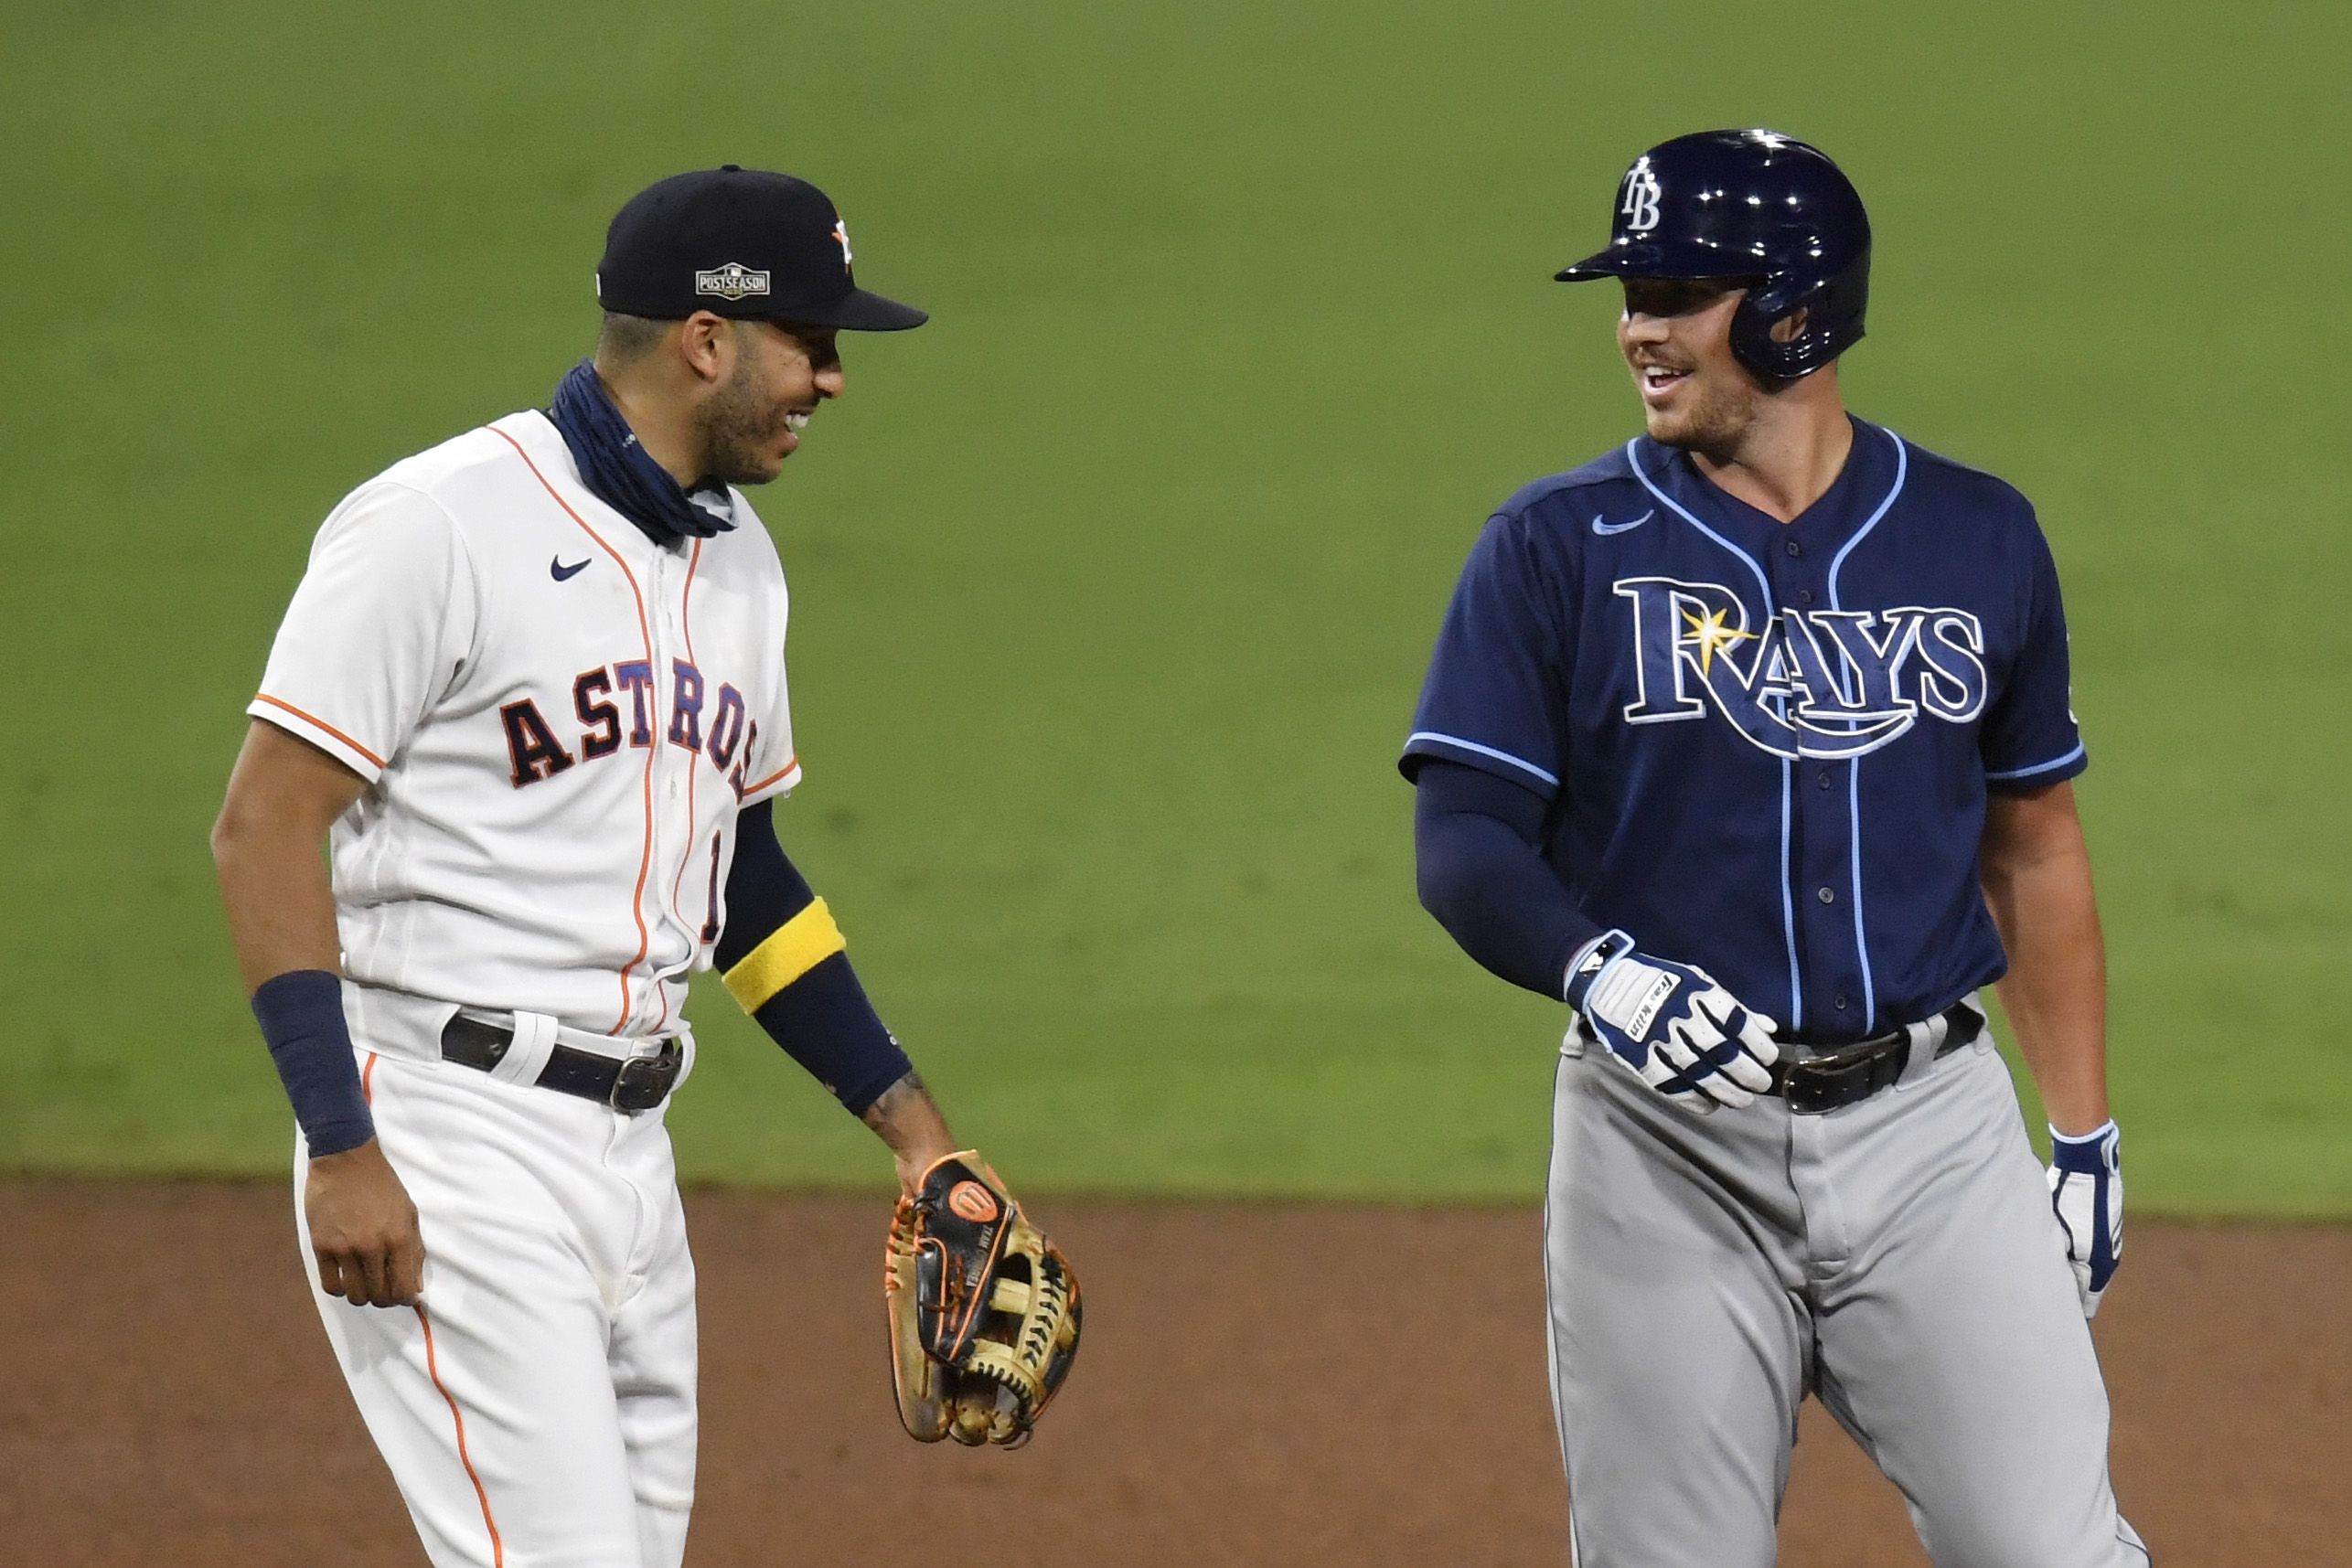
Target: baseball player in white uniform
531,690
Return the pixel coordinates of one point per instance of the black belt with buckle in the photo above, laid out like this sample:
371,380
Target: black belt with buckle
638,1083
1850,1074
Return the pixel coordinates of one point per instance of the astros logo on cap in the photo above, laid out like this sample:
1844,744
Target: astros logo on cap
842,233
732,282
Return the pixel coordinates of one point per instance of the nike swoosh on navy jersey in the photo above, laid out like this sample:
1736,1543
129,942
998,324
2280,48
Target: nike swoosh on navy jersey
562,573
1600,528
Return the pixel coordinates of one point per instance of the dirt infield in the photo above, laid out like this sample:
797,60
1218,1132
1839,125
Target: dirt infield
1261,1386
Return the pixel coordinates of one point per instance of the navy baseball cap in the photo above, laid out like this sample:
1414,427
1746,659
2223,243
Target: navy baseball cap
743,243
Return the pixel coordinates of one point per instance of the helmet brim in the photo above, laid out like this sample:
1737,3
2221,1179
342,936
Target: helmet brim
860,310
1655,259
1588,269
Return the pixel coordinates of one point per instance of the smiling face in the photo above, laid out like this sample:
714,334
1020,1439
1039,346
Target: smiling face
1675,335
751,421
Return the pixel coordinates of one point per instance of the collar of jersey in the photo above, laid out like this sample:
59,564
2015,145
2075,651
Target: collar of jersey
1856,496
551,457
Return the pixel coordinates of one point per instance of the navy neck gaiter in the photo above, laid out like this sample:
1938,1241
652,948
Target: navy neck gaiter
616,467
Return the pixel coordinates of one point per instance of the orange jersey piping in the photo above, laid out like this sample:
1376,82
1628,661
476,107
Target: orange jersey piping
645,631
456,1419
321,724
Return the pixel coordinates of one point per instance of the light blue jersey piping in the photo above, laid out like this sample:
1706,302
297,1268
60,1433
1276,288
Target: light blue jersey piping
1788,898
1854,768
2009,774
1481,750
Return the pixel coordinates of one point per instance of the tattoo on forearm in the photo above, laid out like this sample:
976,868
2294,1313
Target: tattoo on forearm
885,1111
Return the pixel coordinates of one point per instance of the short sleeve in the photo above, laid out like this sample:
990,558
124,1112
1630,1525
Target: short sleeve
1495,695
2030,738
772,766
377,630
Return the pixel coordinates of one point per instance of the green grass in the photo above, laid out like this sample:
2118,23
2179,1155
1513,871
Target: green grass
1113,587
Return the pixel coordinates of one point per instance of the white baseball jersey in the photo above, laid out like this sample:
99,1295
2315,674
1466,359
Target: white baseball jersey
561,719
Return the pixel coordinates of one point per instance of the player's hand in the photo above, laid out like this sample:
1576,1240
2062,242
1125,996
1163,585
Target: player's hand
363,1229
914,1159
2087,1192
1688,1038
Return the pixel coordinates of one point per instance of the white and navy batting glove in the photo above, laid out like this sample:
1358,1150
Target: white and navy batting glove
2087,1192
1687,1037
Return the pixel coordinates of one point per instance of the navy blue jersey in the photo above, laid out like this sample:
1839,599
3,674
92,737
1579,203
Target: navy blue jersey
1766,746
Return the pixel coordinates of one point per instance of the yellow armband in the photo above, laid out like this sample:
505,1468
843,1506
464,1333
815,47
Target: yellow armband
787,952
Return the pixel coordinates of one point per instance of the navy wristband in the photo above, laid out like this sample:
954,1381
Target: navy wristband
301,1015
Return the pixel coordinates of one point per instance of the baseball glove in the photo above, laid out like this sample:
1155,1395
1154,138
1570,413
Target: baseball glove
984,1311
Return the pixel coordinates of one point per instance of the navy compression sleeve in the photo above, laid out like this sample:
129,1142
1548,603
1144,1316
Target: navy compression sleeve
782,957
1477,858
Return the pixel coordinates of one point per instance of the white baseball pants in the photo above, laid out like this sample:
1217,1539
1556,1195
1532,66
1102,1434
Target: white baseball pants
537,1410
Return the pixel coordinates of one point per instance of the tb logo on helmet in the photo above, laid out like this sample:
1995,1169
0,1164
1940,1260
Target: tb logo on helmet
1640,206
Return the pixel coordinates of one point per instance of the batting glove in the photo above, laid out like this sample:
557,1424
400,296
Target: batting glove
2087,1194
1687,1037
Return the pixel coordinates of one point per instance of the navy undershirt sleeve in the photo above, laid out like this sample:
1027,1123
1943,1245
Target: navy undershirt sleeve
1478,860
823,1020
764,888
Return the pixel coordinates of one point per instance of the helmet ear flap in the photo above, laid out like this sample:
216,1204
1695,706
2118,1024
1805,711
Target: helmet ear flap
1834,307
1761,309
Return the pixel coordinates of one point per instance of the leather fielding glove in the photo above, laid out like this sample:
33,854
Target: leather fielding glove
984,1311
1687,1037
2086,1195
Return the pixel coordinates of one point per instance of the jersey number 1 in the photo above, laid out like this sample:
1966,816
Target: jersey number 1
711,911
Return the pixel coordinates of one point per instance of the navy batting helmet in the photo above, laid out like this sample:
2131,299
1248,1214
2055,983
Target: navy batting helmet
1748,204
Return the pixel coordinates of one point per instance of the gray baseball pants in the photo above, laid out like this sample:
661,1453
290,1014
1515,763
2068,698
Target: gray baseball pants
1897,1258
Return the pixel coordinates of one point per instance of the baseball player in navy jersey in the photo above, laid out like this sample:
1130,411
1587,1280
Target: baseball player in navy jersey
1750,741
530,693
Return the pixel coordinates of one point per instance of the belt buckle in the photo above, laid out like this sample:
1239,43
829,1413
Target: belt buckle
1830,1080
643,1083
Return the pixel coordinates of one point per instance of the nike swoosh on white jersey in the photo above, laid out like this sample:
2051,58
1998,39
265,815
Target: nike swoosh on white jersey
1600,528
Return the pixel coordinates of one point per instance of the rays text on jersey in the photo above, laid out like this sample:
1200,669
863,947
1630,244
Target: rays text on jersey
1805,683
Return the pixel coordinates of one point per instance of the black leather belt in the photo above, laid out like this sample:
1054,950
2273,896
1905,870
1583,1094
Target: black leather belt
1850,1074
638,1083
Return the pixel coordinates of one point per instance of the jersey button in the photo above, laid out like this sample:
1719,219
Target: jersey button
1795,548
1804,595
1826,896
1822,779
1840,1004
